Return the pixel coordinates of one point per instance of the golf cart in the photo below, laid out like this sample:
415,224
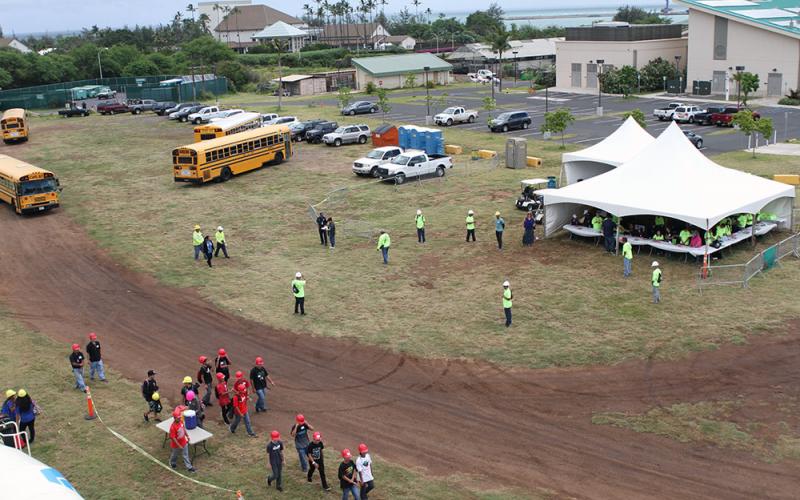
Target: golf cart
529,201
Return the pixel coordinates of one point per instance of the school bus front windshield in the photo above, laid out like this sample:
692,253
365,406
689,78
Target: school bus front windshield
27,188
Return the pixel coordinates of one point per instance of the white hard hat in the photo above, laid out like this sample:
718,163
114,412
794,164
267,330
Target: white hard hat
298,274
219,228
496,214
654,264
470,212
574,215
506,283
419,212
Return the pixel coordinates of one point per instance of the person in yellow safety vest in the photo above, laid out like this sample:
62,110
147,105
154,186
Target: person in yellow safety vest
709,237
659,222
627,257
197,239
597,223
220,237
656,281
384,242
507,296
685,235
299,292
741,220
470,220
658,236
420,222
749,219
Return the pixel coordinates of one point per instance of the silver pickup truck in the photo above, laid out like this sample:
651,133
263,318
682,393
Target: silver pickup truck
414,163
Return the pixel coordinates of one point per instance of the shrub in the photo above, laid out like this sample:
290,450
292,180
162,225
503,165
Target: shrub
430,84
788,101
370,88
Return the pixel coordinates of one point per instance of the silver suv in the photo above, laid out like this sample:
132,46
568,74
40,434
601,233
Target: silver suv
347,134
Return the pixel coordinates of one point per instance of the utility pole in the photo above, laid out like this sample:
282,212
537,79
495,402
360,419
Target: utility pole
600,87
427,97
515,67
739,70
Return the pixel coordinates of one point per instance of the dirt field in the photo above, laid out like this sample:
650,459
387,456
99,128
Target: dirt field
512,426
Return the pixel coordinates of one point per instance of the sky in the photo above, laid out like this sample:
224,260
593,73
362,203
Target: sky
36,16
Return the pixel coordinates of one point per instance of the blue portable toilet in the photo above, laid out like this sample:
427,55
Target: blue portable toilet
415,136
434,142
403,137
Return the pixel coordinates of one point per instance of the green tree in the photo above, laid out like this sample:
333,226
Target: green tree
235,72
748,83
637,15
637,115
653,73
141,66
118,57
5,78
489,105
751,126
165,63
619,81
410,81
383,102
556,122
499,42
484,23
344,96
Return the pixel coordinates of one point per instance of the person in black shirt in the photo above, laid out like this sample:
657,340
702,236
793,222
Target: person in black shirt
222,364
95,358
275,459
260,379
76,361
348,479
204,377
323,234
316,460
609,230
149,387
300,432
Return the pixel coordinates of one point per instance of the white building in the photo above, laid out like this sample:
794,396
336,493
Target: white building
761,36
364,35
14,44
404,41
537,53
238,27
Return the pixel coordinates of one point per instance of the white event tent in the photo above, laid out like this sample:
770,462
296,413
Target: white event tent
671,178
622,145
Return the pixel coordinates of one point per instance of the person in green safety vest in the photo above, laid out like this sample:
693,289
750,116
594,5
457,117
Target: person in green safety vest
299,292
384,242
627,257
220,237
659,222
656,281
710,237
419,220
470,220
507,296
741,220
658,236
197,240
749,219
597,223
685,235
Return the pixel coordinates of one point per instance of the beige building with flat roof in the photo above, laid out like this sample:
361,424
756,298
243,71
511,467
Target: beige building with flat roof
617,45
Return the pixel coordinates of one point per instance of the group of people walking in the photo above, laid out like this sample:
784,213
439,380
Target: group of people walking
204,245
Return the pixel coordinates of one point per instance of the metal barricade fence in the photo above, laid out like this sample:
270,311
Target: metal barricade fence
753,267
788,246
727,274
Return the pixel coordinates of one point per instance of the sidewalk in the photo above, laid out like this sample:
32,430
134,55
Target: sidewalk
780,148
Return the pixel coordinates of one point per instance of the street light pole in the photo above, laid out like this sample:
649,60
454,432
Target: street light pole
516,68
427,96
678,73
600,87
739,70
99,64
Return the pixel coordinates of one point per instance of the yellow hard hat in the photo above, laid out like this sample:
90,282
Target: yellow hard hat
10,392
196,227
496,214
187,380
156,396
22,393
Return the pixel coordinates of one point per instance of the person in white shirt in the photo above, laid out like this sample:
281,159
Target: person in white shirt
364,468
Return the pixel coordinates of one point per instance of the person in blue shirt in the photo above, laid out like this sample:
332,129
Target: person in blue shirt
9,408
26,416
499,227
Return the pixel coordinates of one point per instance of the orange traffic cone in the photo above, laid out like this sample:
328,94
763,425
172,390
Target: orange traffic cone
90,405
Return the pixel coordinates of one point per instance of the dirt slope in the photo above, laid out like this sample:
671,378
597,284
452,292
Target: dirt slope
517,427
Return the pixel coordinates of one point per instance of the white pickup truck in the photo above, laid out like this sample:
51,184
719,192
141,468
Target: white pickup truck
666,112
455,114
414,163
205,115
369,164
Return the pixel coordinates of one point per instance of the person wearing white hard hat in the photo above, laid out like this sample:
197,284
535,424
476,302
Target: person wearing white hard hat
221,245
470,220
656,281
507,296
299,291
420,222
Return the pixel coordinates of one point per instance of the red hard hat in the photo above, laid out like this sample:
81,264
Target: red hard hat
259,361
346,453
275,435
221,352
362,448
221,376
317,436
92,336
202,359
300,418
76,347
239,374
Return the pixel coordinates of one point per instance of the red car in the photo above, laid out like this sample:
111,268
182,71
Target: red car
725,118
112,107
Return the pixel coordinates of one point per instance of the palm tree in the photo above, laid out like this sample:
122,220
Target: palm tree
191,8
217,8
383,3
428,13
499,41
235,13
416,4
205,20
280,48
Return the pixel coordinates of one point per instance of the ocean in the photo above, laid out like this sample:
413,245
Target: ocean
576,16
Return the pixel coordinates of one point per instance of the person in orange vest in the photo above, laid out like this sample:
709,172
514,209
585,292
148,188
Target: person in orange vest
179,441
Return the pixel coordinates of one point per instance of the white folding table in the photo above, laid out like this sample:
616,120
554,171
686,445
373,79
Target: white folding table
197,436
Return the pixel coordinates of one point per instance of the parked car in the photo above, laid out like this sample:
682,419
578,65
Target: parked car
665,113
314,136
285,93
347,134
511,120
205,115
725,117
360,108
684,114
695,139
161,107
704,117
225,113
139,106
299,129
112,107
106,94
283,120
268,117
369,164
74,111
179,107
455,114
414,163
182,115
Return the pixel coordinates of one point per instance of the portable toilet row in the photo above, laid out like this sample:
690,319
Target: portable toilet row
430,140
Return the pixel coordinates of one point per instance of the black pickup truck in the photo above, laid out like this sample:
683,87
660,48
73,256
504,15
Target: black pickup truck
705,117
74,111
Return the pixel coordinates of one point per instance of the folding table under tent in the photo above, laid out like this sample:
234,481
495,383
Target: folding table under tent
622,145
671,178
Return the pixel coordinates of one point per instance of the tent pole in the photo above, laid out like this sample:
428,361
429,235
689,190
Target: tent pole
704,273
753,230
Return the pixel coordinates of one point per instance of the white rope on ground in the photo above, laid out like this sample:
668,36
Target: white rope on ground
154,459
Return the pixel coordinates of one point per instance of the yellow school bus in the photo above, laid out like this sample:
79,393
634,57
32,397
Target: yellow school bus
27,188
14,126
227,126
222,158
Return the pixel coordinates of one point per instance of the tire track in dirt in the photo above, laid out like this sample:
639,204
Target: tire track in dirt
526,428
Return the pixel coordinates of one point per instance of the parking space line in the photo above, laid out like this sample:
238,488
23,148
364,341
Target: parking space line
588,140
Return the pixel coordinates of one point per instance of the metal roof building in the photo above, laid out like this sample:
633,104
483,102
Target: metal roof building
391,71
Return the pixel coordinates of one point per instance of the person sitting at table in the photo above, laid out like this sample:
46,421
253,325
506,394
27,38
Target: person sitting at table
749,220
685,236
658,236
586,219
710,237
659,223
597,222
695,241
574,220
741,221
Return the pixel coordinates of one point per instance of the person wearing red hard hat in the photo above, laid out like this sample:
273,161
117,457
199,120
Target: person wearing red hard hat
364,468
76,360
348,476
224,398
95,359
204,377
260,379
316,460
300,432
276,459
240,411
240,384
179,440
222,364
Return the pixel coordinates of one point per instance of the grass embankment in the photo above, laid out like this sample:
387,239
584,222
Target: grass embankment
102,467
571,305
